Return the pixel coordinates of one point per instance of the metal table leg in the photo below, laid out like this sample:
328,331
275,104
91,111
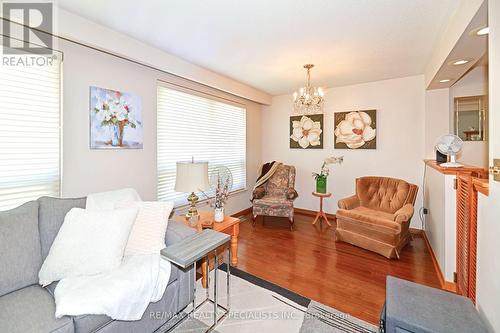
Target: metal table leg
216,264
228,282
194,288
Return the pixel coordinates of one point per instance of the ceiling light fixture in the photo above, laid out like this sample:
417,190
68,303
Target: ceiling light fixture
460,62
483,31
445,80
308,100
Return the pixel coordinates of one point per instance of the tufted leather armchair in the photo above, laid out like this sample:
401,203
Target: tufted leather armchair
377,217
276,196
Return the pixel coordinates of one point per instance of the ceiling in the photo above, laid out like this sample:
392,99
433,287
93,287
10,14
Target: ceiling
469,47
265,43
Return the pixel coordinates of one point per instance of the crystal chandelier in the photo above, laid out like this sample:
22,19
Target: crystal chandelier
308,100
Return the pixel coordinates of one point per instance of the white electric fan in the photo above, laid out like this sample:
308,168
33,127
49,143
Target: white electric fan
220,175
450,145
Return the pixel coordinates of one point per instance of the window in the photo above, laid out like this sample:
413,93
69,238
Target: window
206,129
29,133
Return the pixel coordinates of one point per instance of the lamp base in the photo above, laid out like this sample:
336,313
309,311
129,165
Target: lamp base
192,212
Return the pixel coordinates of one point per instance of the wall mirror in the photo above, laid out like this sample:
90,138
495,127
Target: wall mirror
470,118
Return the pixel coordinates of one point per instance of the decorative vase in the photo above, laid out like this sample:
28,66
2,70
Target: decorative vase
117,135
321,184
219,214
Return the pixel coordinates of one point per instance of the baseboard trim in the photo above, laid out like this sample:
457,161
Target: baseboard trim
445,285
301,211
242,212
313,213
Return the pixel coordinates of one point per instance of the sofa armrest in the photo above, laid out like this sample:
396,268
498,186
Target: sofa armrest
404,214
349,203
291,193
176,232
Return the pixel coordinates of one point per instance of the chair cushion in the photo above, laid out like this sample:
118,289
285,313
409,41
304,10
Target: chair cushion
367,212
51,216
376,219
281,201
20,255
31,309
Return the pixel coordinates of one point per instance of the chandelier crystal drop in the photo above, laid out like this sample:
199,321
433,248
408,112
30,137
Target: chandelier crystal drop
308,100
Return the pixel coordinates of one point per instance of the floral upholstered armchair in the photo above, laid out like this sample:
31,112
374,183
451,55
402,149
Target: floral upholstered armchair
275,197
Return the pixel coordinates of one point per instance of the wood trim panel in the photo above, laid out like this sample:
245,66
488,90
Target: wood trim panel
481,185
313,213
472,170
242,212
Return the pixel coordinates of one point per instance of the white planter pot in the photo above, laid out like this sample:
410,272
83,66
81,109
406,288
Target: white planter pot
219,214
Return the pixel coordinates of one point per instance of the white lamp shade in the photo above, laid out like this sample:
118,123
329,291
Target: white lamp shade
191,177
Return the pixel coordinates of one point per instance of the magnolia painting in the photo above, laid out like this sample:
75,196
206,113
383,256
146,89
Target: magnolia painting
115,119
306,132
356,130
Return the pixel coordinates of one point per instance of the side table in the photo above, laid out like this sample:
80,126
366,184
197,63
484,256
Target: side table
192,249
321,214
230,226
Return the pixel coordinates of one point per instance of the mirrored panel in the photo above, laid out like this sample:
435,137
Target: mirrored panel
470,118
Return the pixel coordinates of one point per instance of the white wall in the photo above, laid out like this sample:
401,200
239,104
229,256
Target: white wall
400,139
437,118
85,170
488,266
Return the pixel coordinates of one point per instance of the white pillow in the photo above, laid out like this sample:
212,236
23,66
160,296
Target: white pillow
88,242
108,200
148,232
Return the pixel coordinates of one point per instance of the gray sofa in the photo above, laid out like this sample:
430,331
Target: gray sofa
26,234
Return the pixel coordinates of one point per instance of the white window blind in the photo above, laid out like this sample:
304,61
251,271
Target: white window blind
29,133
206,129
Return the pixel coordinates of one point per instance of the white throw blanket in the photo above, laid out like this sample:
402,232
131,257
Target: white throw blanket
123,293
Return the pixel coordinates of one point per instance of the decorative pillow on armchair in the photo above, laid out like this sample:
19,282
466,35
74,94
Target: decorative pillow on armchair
89,242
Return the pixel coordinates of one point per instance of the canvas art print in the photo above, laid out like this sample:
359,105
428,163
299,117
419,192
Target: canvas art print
356,130
306,132
115,119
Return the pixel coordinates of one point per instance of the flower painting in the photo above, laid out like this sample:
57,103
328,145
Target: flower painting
115,119
306,132
356,130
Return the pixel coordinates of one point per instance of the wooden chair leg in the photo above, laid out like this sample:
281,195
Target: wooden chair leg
291,223
253,220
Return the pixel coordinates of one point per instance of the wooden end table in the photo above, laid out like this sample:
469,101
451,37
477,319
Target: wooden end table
230,226
321,214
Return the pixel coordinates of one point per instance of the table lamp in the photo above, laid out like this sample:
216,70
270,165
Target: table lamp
192,177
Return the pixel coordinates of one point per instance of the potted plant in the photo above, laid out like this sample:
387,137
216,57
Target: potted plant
325,171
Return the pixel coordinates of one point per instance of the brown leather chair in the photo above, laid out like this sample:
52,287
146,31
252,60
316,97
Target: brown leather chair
377,217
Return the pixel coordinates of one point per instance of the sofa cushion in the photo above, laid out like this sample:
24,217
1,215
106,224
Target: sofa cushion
90,323
51,216
31,309
20,258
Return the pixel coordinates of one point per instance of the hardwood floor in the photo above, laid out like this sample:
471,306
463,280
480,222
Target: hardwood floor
310,263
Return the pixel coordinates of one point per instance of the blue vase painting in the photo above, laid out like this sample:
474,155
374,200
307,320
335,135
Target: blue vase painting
115,119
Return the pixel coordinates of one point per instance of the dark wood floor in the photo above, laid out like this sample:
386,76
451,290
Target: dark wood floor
309,262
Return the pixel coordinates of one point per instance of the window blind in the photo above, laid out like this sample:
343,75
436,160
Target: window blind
190,126
29,133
